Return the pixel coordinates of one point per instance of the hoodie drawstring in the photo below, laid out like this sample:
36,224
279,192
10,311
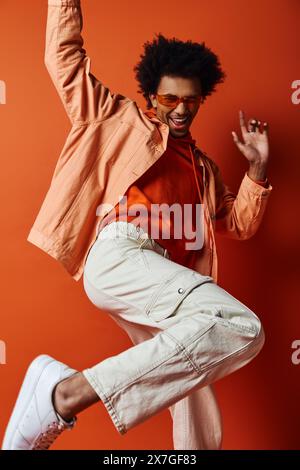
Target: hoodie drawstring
199,192
195,174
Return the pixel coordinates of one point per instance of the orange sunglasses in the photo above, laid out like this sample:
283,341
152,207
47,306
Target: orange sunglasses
172,101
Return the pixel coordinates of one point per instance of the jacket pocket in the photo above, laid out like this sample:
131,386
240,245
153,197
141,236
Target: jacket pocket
172,291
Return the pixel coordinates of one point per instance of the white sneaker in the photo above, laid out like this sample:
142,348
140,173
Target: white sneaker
34,423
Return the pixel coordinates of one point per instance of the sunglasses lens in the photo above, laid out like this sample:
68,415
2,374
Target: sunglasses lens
191,103
169,100
172,101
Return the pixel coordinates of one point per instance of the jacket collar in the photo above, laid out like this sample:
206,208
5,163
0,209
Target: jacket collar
151,114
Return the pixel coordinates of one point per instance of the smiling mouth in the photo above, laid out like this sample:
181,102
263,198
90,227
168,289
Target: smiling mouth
179,123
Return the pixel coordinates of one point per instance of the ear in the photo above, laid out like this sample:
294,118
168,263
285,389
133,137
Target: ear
153,100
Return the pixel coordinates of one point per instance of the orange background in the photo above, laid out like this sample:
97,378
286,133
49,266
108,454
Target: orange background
43,310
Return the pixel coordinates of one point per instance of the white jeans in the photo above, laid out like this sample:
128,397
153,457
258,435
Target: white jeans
187,332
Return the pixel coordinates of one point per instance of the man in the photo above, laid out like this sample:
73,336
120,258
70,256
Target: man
187,331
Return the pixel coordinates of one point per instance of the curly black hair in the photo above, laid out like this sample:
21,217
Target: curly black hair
177,58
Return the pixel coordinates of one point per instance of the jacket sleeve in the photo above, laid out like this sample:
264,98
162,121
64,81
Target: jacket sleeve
238,216
84,97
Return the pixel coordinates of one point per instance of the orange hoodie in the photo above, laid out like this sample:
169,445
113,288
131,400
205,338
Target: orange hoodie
172,179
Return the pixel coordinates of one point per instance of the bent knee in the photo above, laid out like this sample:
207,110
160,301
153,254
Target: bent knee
260,336
257,342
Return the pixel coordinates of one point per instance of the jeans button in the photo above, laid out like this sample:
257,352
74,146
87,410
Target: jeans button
180,290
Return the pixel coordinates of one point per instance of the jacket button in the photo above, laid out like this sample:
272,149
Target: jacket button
180,290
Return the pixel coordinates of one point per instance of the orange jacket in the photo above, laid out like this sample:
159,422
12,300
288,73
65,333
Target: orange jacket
111,143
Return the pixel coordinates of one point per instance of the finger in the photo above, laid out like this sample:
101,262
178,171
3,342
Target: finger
251,125
242,124
239,144
255,125
265,128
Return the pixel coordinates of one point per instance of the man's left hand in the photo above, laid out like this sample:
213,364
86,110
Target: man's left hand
255,146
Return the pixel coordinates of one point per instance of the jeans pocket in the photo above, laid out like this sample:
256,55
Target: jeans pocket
171,291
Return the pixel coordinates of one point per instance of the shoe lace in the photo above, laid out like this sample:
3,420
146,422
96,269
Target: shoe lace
46,438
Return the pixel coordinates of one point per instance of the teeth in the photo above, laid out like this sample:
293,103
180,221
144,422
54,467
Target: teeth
179,120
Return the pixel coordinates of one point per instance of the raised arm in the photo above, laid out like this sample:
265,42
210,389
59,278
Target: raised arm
84,97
